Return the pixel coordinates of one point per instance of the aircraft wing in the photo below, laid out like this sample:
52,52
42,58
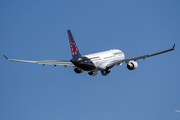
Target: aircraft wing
48,62
112,63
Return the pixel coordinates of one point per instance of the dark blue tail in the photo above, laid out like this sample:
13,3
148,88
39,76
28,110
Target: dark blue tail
74,50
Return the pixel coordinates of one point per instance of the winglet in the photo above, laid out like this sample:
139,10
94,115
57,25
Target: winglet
174,46
5,57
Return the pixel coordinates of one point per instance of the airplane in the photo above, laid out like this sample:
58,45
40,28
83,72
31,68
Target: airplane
92,63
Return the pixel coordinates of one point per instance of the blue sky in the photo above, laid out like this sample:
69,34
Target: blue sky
37,30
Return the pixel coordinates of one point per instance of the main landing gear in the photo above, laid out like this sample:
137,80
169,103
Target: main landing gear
105,72
90,73
93,73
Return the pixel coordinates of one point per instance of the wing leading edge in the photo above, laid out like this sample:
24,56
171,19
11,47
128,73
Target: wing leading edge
139,57
50,62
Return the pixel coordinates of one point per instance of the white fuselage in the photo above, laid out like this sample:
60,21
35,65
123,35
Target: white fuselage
102,59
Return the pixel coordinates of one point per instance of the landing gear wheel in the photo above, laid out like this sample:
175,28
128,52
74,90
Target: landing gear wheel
90,73
105,72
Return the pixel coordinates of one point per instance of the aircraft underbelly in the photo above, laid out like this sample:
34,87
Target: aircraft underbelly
101,64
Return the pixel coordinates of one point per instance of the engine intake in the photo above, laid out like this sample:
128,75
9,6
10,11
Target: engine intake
77,70
132,65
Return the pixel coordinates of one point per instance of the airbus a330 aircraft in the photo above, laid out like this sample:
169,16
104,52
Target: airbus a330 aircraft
101,61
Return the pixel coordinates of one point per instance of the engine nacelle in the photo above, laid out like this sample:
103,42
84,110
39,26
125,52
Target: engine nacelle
132,65
77,70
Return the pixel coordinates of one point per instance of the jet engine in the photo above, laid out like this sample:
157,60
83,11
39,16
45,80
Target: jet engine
77,70
132,65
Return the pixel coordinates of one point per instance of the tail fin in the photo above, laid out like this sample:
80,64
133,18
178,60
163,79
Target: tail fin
74,50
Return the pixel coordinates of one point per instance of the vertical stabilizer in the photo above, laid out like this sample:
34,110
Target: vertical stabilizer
74,50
